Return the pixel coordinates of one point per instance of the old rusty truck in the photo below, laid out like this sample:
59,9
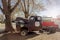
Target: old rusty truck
34,23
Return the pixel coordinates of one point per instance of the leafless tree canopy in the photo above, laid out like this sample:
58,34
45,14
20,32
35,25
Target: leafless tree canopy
28,6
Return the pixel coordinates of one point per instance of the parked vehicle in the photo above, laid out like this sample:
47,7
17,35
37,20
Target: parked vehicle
49,26
29,25
35,23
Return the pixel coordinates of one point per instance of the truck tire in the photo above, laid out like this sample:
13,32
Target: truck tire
40,31
24,32
52,30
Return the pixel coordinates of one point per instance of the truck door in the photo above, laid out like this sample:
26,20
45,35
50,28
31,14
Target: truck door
31,23
37,23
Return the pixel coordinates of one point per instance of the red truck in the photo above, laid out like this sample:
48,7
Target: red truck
49,26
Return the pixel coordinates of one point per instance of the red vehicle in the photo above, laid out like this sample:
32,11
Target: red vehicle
49,26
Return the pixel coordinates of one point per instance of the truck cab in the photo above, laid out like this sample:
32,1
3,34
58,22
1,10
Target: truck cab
35,22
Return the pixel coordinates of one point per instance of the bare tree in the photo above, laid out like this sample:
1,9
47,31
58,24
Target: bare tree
26,5
7,10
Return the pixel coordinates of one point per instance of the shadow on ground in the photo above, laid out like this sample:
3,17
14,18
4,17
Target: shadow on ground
16,36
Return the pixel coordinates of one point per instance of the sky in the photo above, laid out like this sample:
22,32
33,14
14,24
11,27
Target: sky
0,5
52,8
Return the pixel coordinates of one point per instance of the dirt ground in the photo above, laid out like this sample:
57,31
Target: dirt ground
31,36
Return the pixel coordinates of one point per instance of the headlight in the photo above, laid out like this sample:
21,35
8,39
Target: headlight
21,25
21,21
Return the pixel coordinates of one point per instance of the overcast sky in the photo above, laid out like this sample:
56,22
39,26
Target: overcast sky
52,8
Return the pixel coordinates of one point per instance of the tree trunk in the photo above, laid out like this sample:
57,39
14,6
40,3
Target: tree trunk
26,14
8,24
17,27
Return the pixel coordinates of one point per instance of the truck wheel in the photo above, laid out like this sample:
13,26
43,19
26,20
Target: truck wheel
40,31
52,30
24,32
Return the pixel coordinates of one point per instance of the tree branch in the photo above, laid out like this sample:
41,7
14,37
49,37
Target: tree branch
28,7
5,6
9,4
25,5
23,9
15,6
33,4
